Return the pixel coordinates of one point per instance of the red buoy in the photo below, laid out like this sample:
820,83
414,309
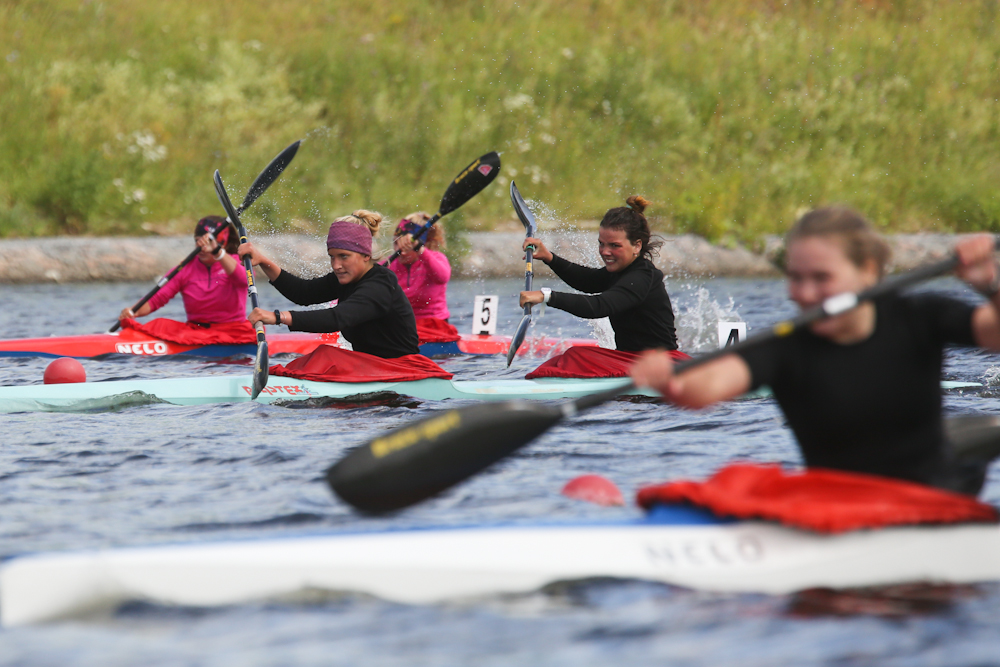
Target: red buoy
64,370
593,489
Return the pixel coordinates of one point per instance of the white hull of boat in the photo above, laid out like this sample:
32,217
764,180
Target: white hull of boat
428,566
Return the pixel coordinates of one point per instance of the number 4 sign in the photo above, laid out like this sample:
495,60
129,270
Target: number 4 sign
731,332
484,315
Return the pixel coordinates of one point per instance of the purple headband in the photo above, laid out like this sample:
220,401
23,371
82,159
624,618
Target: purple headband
346,235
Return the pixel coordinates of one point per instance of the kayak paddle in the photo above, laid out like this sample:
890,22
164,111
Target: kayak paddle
469,183
419,460
261,183
260,363
528,220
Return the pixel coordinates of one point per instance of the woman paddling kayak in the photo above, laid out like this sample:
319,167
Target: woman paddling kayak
214,292
423,273
628,290
372,313
860,390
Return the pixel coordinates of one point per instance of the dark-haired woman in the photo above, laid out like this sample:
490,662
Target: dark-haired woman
861,391
214,292
628,289
372,311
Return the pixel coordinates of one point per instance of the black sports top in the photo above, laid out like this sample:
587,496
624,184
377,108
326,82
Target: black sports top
634,299
873,406
372,313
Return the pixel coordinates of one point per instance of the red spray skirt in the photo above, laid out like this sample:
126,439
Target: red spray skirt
822,500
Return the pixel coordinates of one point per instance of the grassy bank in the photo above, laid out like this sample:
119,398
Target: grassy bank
730,117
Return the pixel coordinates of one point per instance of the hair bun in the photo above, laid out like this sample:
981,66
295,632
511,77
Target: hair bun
369,218
637,203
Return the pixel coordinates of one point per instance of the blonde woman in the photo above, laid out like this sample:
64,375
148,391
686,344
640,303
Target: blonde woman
422,272
372,312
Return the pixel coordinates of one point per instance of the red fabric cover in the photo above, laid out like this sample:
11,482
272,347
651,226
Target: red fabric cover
188,333
822,500
328,363
591,362
433,330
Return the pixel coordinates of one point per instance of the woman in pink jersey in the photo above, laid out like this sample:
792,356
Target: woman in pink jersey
422,273
214,291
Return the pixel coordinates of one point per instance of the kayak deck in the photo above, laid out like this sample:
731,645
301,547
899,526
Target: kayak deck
422,566
237,388
96,396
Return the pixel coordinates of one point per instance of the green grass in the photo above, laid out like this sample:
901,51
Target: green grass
731,117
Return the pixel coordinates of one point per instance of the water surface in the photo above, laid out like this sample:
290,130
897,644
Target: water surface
163,473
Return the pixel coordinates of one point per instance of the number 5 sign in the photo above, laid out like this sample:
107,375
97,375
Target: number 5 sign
484,315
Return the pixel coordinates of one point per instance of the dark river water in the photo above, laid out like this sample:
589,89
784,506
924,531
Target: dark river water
163,473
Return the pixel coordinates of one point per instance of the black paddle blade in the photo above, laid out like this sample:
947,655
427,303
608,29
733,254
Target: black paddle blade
424,458
260,368
522,210
470,182
269,175
515,342
220,192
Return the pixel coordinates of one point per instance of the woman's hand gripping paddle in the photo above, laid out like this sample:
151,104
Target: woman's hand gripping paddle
261,183
417,461
527,219
469,183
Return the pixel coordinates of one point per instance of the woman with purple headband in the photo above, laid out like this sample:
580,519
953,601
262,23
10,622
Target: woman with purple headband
372,312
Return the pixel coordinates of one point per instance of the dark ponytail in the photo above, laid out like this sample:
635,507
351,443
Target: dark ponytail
629,219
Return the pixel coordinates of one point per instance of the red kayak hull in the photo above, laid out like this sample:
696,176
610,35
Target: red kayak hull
130,341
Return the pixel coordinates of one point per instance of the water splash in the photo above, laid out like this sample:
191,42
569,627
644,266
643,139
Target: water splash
697,321
604,333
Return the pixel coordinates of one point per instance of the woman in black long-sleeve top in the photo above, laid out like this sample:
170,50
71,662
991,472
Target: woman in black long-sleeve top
372,312
628,290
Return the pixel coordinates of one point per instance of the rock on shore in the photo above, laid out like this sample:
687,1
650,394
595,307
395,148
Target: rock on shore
490,254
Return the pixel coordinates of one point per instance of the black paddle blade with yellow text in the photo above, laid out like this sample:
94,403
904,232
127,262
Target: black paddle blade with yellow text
424,458
470,182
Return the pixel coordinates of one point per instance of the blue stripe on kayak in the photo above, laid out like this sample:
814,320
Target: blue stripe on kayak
5,353
439,349
216,351
683,515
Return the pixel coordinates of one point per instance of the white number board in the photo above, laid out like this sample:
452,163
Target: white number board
484,314
731,333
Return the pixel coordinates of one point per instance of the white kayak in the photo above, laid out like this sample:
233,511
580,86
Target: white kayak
95,396
679,546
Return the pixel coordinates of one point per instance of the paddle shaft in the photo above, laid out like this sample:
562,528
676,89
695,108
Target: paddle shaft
418,237
527,219
159,285
263,181
260,371
835,305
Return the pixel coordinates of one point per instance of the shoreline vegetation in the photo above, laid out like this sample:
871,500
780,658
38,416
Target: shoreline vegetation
731,117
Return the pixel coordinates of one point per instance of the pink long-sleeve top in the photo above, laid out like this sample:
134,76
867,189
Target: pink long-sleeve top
210,296
425,283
